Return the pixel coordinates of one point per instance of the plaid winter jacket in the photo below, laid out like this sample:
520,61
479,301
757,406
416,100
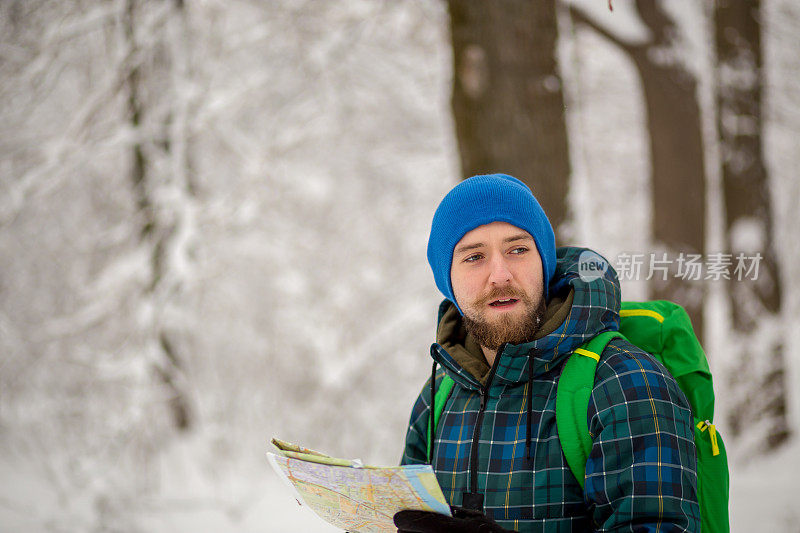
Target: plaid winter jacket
641,473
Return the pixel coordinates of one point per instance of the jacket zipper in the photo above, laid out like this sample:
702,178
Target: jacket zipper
473,499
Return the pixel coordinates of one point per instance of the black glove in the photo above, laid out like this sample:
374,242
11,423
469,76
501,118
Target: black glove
462,521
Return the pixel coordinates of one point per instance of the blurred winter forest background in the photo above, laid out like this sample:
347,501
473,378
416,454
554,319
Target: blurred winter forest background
213,220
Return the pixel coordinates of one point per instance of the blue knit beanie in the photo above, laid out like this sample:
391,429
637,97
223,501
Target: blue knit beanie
481,200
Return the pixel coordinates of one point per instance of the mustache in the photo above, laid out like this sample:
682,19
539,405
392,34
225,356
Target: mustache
497,294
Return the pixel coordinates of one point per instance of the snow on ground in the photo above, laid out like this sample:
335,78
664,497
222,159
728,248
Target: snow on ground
248,497
199,489
762,493
762,499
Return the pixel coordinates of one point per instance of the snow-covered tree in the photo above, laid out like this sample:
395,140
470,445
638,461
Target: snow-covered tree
508,103
675,140
759,386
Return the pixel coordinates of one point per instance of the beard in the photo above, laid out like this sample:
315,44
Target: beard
508,328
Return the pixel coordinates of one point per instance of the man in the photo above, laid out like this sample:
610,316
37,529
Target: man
515,310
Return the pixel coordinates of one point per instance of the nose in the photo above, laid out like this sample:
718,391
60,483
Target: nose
499,273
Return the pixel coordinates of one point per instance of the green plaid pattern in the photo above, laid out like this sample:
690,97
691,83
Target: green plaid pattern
641,473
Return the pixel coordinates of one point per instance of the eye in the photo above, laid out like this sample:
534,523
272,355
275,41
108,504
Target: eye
519,250
472,258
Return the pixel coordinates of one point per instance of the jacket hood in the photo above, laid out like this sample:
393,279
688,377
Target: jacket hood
585,301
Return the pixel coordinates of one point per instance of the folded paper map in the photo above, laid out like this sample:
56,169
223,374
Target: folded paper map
353,496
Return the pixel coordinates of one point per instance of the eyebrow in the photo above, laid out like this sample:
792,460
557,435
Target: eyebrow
518,237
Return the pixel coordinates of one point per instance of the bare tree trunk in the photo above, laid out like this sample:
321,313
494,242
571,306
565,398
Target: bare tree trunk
676,149
759,382
507,101
160,231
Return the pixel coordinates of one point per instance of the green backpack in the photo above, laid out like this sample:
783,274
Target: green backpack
664,330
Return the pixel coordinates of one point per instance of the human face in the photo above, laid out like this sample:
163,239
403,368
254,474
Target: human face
496,275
